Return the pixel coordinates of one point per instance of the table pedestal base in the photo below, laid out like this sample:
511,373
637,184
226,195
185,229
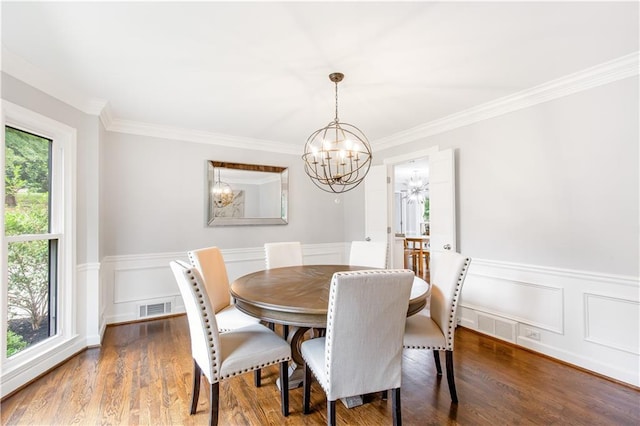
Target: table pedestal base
352,401
296,376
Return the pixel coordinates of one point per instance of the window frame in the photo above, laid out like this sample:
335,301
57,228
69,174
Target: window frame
62,228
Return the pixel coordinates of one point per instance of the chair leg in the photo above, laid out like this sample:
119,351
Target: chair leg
450,379
284,387
285,331
397,407
257,377
195,394
384,395
306,385
331,413
215,397
436,358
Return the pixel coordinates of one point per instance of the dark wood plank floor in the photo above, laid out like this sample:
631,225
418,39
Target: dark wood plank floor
142,376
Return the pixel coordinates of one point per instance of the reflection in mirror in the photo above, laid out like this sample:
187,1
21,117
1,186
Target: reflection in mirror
411,198
247,194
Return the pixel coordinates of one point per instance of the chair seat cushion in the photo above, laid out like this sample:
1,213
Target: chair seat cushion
231,318
421,332
313,352
249,348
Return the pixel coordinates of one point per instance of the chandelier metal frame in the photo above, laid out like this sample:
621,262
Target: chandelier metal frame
338,156
222,193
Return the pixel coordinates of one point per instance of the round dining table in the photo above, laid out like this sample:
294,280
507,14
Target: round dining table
298,296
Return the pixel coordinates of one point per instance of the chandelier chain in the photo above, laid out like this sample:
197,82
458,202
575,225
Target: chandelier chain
336,101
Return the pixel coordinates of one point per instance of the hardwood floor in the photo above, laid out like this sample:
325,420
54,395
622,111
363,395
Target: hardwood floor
142,376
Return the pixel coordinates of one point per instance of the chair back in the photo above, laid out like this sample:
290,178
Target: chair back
365,324
368,253
280,255
210,263
203,329
448,272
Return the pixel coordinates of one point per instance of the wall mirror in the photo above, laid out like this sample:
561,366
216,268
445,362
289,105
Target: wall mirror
247,194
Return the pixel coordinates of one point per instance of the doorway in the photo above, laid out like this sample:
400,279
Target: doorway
411,214
411,197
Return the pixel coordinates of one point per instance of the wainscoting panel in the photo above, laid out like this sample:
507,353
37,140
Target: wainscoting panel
496,295
132,285
587,319
131,281
612,322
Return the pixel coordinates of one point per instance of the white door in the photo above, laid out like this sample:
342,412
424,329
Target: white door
376,204
442,207
442,202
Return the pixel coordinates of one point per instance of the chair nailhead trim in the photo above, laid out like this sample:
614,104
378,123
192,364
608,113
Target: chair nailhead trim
255,367
205,316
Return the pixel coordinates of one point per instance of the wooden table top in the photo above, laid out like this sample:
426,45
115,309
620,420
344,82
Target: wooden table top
299,295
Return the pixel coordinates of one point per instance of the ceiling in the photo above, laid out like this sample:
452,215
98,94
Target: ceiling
259,70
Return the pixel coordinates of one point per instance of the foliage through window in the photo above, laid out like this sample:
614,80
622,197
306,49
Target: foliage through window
31,242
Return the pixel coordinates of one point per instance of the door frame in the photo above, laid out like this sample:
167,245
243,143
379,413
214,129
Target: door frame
391,162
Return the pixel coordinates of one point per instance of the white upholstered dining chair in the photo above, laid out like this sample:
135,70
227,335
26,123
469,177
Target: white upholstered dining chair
362,350
368,253
219,356
280,255
434,328
210,263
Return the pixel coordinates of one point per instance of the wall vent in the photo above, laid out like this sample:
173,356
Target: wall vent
154,309
497,327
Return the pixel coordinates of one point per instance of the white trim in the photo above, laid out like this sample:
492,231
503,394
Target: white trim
608,72
84,267
198,136
29,363
589,337
31,237
413,155
46,360
21,69
624,280
563,324
617,69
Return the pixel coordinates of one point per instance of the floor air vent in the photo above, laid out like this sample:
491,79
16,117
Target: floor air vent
497,327
154,309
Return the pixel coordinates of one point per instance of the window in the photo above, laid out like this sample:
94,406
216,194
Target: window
31,240
37,307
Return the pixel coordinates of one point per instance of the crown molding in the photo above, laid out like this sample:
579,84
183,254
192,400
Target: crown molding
197,136
608,72
25,71
106,116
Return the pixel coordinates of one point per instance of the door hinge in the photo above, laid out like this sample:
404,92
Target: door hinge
388,179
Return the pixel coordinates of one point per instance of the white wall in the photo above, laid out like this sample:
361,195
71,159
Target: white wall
548,200
158,199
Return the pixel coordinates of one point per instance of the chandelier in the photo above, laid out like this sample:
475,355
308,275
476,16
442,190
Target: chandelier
416,189
222,193
338,156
